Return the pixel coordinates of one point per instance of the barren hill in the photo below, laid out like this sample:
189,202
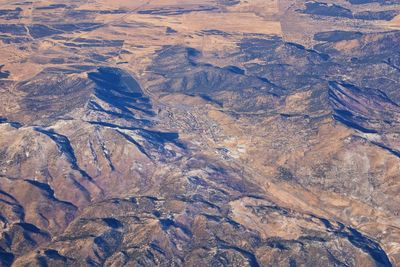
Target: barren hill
200,133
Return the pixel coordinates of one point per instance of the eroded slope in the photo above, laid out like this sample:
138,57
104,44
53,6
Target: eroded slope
222,133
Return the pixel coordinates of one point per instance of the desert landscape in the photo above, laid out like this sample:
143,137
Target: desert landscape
200,133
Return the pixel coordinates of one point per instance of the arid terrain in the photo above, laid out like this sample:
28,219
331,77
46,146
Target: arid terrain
200,133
